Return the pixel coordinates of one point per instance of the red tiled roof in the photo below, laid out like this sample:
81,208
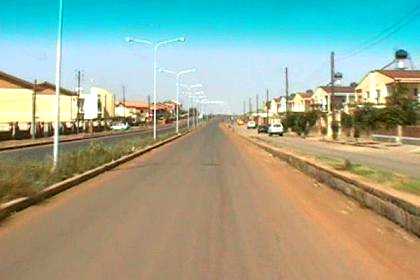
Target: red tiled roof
158,107
401,74
16,80
133,104
46,85
40,87
306,94
339,89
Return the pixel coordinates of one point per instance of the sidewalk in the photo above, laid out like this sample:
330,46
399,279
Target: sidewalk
403,159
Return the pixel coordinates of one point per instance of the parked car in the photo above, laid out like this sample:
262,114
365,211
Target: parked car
275,129
120,126
263,128
251,125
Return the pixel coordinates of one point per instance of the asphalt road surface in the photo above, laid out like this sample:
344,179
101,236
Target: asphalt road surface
42,152
207,206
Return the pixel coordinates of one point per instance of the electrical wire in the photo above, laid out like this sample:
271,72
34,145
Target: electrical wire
385,33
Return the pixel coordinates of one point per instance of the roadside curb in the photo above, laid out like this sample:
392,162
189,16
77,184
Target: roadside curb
19,204
383,202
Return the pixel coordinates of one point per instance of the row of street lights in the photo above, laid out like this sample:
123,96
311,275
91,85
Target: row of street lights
156,46
177,74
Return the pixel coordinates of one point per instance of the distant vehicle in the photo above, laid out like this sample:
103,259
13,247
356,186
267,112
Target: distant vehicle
240,122
251,125
263,128
275,129
120,126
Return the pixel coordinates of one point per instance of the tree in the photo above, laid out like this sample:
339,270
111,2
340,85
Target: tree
400,108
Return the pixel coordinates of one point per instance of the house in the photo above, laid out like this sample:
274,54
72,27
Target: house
377,85
300,102
98,104
161,110
277,106
20,100
343,96
171,106
133,111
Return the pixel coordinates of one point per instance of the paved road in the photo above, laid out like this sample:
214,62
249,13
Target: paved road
208,206
395,159
41,152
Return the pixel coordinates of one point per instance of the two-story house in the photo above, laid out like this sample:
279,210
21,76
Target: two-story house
377,85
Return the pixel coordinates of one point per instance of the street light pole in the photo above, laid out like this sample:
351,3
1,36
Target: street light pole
178,81
58,83
190,95
156,46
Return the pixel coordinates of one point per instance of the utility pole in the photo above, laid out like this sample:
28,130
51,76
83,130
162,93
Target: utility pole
266,104
333,124
244,104
78,99
250,107
123,92
286,72
33,124
257,103
332,84
148,107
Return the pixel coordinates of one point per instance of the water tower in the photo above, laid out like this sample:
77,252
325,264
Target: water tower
402,61
338,79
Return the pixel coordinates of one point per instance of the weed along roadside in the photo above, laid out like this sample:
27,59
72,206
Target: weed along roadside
23,184
402,208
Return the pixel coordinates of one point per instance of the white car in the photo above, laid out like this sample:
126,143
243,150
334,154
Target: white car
251,125
275,129
120,126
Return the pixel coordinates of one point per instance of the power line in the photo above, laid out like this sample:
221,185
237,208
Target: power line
385,33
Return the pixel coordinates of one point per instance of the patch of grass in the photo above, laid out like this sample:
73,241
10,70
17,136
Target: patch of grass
390,179
410,186
375,175
333,162
26,178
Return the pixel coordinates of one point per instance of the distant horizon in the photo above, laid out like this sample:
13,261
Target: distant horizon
240,50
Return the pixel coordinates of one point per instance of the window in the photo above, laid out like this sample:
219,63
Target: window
378,96
367,95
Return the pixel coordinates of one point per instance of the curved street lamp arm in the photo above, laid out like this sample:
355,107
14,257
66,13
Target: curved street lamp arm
138,41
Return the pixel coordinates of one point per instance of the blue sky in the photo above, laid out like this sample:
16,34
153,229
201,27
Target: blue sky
239,47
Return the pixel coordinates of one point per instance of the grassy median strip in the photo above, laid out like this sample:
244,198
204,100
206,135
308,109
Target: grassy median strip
26,178
390,179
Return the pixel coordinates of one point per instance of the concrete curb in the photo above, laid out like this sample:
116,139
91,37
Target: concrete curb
18,204
383,202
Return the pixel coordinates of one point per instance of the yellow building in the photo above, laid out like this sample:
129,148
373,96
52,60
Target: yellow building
106,100
133,111
98,104
301,102
343,96
376,86
17,97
